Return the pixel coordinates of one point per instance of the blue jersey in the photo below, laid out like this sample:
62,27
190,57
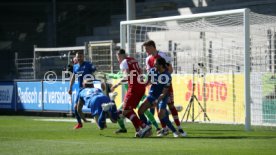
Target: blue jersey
93,98
158,81
87,94
82,70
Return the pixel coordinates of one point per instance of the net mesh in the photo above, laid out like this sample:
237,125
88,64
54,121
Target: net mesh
217,42
54,60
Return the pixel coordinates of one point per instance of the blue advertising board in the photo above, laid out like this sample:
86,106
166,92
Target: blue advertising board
56,97
41,96
29,96
7,95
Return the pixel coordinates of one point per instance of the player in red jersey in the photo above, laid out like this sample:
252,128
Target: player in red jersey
135,92
153,54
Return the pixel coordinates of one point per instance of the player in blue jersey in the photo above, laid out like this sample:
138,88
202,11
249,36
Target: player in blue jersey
101,106
82,70
160,80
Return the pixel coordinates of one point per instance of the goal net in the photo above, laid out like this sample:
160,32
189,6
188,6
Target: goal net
54,60
229,56
103,56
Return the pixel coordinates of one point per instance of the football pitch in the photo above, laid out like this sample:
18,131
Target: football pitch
28,135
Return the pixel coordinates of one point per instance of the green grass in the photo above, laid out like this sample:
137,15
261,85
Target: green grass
28,136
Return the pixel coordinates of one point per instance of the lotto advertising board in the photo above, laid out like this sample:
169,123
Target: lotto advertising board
224,97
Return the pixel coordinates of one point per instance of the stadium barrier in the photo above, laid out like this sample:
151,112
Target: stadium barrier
7,95
38,96
223,102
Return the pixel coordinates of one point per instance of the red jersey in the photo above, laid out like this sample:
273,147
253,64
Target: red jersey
150,59
132,66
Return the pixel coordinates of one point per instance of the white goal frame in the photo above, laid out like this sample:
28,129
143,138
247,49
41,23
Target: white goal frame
124,37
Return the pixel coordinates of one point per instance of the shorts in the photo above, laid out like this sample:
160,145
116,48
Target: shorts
161,105
133,97
96,104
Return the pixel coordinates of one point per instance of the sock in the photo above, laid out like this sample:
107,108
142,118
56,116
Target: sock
167,121
121,123
163,125
175,116
114,112
152,110
101,120
78,116
151,118
141,101
143,118
134,119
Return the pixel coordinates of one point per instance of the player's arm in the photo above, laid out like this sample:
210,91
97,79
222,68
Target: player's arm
150,77
103,86
72,80
147,65
123,80
168,61
162,96
79,109
92,68
125,70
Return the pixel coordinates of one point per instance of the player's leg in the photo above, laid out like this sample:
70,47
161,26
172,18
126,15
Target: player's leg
102,111
102,120
174,111
149,114
79,125
99,102
172,107
128,106
121,123
164,117
143,108
77,116
132,98
96,118
95,109
152,119
112,111
121,120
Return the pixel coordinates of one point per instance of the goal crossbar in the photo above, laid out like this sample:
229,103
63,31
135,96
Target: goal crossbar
199,15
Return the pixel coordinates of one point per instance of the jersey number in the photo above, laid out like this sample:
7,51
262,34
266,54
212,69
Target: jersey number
136,67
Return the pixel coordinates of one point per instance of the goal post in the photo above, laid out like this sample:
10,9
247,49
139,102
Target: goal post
246,31
231,45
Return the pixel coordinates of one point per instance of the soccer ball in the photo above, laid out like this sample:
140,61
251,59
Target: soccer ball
179,108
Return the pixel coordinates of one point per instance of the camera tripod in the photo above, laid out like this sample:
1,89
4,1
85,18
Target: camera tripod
191,104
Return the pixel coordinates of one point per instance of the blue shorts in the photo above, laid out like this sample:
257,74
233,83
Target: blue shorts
162,104
96,104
